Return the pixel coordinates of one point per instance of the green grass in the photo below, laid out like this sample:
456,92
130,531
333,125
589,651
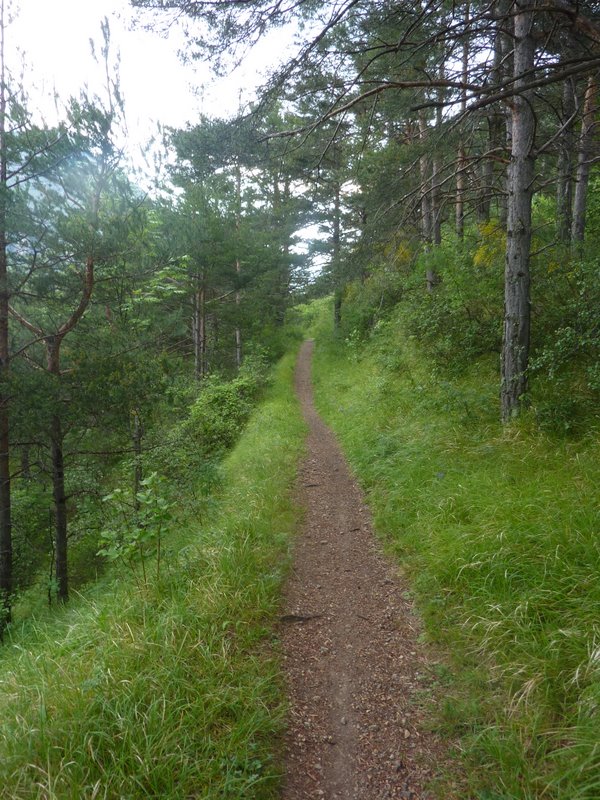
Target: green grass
500,532
172,691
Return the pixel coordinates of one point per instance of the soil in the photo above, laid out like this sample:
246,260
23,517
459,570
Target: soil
356,672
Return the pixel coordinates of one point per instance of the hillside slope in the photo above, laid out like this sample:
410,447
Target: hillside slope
164,688
498,530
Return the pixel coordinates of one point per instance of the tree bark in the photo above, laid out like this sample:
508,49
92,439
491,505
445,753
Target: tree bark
58,480
505,59
426,182
137,434
429,191
6,557
564,183
238,265
484,204
25,463
461,174
517,311
60,510
336,248
588,125
53,343
199,330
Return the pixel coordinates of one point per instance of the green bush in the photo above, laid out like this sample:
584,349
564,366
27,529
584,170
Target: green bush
461,319
223,407
566,362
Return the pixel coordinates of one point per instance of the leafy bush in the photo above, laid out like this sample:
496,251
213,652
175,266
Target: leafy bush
223,407
462,318
32,531
138,523
566,361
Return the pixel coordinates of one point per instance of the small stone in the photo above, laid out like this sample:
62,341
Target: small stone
406,734
344,721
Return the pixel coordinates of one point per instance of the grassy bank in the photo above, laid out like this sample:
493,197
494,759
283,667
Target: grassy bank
166,690
499,532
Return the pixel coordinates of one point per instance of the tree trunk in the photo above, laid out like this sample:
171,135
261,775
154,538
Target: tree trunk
6,557
25,463
517,311
588,125
337,309
564,183
60,509
58,480
484,203
199,330
504,52
427,203
425,172
336,245
137,434
238,266
461,174
238,337
436,210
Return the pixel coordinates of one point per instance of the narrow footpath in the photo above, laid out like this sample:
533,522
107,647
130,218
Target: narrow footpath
355,671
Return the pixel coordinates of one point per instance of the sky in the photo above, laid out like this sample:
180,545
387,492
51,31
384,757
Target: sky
52,39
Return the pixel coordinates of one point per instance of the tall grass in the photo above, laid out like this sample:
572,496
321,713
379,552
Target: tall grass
500,531
169,691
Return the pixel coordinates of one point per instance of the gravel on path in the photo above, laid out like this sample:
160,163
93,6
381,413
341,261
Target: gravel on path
355,670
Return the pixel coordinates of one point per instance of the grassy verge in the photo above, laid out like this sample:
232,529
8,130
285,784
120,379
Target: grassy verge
167,691
499,530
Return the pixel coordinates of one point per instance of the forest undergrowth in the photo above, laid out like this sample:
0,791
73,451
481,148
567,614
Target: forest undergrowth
164,687
498,531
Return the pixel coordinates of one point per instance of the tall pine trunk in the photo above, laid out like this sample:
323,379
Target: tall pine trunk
517,310
137,434
199,329
504,57
58,479
53,342
461,174
588,125
336,243
564,183
425,174
6,558
60,510
238,265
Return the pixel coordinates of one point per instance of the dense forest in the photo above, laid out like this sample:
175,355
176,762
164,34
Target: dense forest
416,184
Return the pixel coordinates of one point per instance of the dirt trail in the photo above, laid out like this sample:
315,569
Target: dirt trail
354,667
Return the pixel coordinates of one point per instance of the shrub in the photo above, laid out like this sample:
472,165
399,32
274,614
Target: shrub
223,407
